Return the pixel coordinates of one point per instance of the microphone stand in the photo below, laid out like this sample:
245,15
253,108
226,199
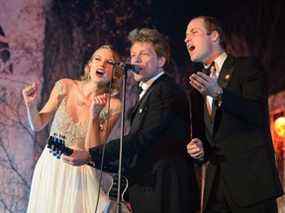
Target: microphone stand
122,133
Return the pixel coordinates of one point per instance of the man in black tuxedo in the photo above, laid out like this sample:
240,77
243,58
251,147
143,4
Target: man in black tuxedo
236,145
160,172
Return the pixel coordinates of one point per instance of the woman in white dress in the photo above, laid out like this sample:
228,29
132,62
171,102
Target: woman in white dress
81,111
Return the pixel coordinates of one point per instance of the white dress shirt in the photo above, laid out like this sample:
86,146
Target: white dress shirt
148,83
218,63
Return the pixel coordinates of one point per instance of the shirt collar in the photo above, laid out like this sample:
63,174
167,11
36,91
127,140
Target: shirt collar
219,61
148,83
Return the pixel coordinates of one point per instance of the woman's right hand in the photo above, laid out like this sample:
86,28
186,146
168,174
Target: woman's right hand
30,94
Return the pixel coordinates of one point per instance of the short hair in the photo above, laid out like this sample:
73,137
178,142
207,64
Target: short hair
159,41
213,24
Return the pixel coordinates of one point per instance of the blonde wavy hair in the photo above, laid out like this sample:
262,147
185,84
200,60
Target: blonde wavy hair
117,72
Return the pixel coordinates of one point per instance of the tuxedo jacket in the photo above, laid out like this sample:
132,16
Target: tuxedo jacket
161,176
236,135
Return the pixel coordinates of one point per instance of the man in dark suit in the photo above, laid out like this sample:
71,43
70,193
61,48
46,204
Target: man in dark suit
161,175
241,176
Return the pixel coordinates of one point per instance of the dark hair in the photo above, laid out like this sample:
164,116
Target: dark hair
159,41
213,24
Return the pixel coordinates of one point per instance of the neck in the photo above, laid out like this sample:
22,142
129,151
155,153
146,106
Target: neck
154,74
213,56
90,88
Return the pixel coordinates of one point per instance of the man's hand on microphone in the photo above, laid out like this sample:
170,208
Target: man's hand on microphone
195,149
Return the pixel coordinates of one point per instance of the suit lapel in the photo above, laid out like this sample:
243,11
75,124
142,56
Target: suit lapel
138,103
226,72
223,80
141,106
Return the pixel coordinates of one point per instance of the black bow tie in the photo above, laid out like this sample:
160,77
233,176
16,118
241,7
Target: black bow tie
137,89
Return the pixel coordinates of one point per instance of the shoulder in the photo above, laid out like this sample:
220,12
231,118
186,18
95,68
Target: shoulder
64,82
64,85
167,85
67,82
249,61
167,90
248,66
245,68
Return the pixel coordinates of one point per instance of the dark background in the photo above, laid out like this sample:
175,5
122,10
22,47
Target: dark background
75,28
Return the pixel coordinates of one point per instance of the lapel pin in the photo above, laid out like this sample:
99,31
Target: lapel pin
227,77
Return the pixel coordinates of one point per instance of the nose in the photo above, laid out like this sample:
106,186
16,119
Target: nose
103,64
135,59
187,39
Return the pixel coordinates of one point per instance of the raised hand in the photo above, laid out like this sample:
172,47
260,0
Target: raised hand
205,84
98,103
30,94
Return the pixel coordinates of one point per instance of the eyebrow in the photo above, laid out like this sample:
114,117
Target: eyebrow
195,28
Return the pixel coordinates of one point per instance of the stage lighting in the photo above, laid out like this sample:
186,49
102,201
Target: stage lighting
279,126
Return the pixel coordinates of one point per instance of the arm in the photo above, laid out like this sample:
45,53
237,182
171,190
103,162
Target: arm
161,118
164,115
97,132
39,120
247,97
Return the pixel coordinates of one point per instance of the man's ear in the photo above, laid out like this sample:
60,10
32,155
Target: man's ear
161,61
215,36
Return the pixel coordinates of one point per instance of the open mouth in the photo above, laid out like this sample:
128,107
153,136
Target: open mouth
191,47
100,72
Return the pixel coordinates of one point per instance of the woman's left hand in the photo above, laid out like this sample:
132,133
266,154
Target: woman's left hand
98,103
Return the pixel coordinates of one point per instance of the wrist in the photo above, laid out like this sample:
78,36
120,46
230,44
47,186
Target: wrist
89,159
96,113
219,93
31,105
32,110
94,117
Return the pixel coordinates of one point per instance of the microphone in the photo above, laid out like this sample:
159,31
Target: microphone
128,67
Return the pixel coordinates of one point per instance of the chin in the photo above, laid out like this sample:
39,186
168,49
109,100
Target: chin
138,77
196,59
96,80
193,59
100,80
193,56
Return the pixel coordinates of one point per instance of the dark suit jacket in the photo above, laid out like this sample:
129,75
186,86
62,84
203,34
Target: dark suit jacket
161,175
237,136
